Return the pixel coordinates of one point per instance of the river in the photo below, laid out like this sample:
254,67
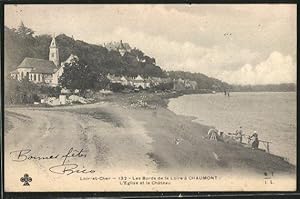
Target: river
271,114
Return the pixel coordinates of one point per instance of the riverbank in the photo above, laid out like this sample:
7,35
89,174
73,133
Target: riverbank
164,127
173,126
252,111
130,133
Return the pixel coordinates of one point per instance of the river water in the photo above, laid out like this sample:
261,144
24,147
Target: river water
271,114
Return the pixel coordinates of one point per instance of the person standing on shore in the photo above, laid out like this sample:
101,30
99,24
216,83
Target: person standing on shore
239,134
221,137
255,142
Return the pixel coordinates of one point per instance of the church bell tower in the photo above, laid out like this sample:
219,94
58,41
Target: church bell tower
53,52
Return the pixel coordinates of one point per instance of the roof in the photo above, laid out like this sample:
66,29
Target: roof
38,65
139,78
71,59
124,78
53,43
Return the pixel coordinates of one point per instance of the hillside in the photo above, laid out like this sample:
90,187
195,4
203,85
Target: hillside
203,81
22,42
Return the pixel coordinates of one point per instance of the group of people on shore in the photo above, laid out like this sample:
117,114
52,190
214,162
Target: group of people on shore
215,134
226,93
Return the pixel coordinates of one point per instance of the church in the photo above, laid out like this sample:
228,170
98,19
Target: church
40,70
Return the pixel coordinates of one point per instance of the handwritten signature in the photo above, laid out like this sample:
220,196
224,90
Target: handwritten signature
63,168
69,169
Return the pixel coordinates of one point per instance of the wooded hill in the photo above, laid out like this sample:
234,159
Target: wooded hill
22,42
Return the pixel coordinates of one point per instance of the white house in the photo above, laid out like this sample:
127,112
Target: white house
141,82
126,81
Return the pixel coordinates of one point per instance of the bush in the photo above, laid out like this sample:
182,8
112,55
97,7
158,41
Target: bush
164,86
116,87
21,92
50,91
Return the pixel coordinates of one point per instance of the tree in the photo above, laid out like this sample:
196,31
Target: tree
165,86
102,82
203,81
50,91
24,31
149,60
78,75
21,92
137,53
22,42
116,87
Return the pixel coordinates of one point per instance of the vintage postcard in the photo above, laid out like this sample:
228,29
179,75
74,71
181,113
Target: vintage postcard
149,97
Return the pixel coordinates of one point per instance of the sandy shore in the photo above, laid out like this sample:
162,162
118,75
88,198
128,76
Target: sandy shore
121,138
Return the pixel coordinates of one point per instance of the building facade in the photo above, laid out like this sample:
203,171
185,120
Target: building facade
121,47
40,70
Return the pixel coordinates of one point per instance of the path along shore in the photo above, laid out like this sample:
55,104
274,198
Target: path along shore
120,133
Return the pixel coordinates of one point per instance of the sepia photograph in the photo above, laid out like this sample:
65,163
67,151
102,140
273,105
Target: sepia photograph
150,97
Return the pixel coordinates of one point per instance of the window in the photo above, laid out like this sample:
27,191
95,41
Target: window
38,77
34,77
52,55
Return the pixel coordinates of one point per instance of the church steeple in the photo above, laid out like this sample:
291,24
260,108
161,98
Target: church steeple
53,52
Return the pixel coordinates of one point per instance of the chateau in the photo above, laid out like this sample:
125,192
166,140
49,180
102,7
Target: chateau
40,70
121,47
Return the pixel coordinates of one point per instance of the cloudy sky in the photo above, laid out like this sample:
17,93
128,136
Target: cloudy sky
243,44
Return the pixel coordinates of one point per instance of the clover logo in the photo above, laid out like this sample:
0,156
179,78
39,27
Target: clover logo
26,179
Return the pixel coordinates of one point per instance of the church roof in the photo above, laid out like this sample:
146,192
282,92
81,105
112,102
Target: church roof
38,65
53,43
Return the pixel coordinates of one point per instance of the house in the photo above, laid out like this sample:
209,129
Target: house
126,81
184,84
188,84
138,81
141,82
114,79
40,70
155,81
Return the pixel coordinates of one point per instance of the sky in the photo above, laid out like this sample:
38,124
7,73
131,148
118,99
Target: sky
239,44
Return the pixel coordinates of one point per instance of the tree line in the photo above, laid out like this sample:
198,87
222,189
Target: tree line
21,43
